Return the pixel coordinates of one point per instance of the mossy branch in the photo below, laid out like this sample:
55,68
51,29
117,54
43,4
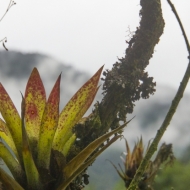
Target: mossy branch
153,147
127,81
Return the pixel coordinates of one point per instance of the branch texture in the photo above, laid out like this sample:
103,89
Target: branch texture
127,82
153,147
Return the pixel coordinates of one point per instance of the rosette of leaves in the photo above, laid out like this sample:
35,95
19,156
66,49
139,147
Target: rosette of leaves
35,145
133,160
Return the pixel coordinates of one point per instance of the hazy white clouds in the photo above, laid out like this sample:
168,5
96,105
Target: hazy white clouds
88,34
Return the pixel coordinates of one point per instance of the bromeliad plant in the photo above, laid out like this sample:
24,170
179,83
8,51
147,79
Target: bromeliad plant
35,146
133,159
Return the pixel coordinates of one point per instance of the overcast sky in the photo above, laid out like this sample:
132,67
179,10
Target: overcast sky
90,33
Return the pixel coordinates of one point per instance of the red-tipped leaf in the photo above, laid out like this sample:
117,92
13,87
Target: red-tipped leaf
12,118
74,110
48,126
35,100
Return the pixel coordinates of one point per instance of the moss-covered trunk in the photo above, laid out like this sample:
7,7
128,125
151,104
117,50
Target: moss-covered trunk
127,81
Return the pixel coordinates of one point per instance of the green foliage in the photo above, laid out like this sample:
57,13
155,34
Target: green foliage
120,185
176,177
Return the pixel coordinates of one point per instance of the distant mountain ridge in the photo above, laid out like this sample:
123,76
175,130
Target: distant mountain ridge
15,69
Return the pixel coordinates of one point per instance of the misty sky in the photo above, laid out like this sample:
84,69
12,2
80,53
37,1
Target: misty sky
90,33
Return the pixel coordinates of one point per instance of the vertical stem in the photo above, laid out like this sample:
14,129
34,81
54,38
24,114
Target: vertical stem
166,122
160,132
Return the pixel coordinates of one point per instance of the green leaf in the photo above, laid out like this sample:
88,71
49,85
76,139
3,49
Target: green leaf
11,162
8,182
35,100
74,110
78,160
33,177
6,136
87,163
68,144
49,126
121,174
12,118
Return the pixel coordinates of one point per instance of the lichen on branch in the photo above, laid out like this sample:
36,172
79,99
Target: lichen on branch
127,82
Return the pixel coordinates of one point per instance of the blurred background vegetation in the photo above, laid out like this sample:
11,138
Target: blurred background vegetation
175,177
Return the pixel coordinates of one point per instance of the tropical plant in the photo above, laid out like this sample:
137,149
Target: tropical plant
132,161
35,146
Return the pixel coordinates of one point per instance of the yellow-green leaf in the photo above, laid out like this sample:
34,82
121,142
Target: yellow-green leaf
8,181
128,156
35,98
74,110
68,144
12,163
49,126
12,118
78,160
33,177
6,136
86,164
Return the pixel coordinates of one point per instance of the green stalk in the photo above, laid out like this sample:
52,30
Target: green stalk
166,122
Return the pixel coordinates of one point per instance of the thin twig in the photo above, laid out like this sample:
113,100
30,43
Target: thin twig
4,40
11,3
153,147
180,24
